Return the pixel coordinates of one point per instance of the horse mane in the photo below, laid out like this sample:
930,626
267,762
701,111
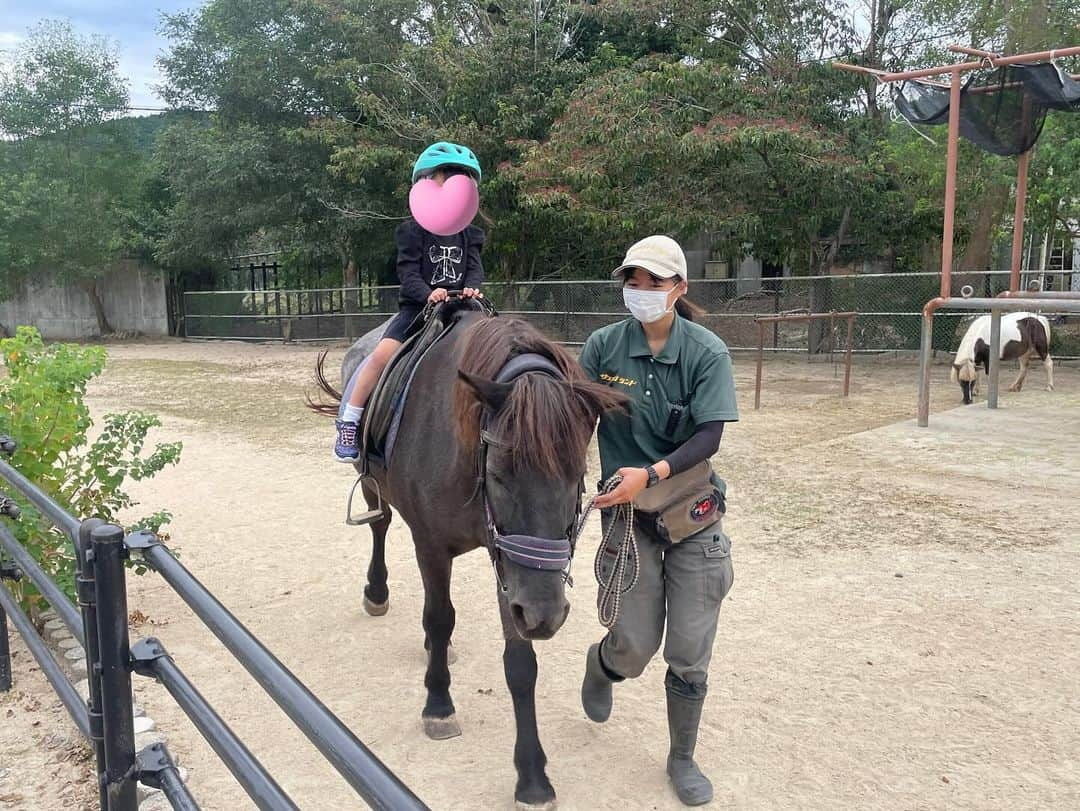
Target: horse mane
547,422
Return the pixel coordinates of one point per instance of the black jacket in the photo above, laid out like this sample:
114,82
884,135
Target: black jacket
426,261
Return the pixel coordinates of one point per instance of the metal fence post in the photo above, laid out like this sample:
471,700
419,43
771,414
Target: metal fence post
847,354
84,593
760,361
925,347
8,571
5,652
114,667
995,359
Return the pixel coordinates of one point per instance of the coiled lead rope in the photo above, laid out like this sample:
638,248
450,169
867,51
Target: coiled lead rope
614,587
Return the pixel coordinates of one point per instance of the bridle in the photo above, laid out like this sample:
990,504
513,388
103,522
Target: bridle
530,551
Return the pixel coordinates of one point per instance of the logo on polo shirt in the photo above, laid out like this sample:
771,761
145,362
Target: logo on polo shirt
622,381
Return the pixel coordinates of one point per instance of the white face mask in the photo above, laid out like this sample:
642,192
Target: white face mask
646,305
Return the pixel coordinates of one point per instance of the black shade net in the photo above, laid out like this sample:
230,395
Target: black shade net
1001,110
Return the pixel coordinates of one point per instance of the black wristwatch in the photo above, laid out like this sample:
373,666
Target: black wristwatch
653,477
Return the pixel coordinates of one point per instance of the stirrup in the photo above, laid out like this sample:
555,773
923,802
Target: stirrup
370,515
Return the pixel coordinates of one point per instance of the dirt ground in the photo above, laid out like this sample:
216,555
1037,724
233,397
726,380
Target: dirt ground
902,632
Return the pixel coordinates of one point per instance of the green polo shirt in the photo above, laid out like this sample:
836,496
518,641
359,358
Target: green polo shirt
691,375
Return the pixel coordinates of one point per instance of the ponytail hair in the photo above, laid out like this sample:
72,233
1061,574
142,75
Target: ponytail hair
688,310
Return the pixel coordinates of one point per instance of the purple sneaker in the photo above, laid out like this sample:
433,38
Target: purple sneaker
347,447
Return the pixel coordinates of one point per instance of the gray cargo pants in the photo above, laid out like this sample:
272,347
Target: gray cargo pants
681,586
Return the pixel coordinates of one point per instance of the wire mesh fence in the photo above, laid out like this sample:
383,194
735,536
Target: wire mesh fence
889,306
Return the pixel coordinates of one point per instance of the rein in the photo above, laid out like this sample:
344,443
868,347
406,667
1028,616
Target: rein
611,590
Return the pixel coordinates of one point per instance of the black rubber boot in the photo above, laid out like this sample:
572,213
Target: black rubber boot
684,703
596,688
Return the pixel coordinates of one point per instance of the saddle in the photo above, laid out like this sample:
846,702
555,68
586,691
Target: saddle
379,423
378,426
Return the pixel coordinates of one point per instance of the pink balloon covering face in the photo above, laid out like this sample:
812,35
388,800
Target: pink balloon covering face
447,209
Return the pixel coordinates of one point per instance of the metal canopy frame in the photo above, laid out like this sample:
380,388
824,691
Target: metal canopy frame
1014,300
987,60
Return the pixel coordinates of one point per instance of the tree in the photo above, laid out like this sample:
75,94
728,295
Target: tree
258,171
666,146
69,178
1054,199
321,108
594,121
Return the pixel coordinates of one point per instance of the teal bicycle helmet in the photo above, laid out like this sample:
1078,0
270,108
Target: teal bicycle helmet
445,154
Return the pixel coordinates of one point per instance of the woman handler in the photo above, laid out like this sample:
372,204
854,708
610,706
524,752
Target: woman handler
678,376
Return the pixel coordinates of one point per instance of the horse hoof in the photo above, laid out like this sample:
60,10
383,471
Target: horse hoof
1049,388
550,805
451,655
440,729
376,609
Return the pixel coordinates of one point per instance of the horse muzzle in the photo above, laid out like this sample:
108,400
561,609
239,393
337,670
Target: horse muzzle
534,576
533,621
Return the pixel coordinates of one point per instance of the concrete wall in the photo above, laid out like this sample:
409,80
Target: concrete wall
748,273
133,296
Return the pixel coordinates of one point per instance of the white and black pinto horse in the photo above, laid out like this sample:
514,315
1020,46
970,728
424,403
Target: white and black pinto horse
1023,336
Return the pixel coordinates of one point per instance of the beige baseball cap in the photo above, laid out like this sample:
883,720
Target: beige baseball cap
659,255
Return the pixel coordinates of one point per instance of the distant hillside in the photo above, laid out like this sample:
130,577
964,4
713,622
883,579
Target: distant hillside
142,130
145,129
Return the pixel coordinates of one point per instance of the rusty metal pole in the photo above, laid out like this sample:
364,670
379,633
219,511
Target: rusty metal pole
995,359
832,336
847,353
950,184
1018,220
760,360
925,347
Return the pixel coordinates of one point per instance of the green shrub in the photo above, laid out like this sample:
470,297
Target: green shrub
42,408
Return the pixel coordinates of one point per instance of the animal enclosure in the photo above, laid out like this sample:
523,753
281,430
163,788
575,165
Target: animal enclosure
889,585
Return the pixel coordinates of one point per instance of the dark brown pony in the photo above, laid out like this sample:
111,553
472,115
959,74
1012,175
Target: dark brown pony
538,427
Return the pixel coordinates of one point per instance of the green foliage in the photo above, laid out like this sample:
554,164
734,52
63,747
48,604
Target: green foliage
666,146
596,122
70,183
42,406
1054,178
59,81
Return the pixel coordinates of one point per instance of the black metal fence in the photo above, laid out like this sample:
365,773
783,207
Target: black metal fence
100,624
889,306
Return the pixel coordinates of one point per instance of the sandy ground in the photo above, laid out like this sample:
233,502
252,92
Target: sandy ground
44,761
902,632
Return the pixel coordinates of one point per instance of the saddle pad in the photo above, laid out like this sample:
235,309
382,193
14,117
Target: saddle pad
399,405
389,394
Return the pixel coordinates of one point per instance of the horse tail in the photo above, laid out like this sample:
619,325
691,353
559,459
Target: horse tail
319,407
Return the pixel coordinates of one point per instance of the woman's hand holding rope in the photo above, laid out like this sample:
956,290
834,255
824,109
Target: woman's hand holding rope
632,481
614,586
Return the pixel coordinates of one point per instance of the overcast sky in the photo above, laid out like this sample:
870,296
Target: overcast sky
130,24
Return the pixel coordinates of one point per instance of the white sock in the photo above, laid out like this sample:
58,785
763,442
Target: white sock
352,413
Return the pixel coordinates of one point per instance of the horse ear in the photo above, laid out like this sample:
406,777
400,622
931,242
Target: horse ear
598,399
491,394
